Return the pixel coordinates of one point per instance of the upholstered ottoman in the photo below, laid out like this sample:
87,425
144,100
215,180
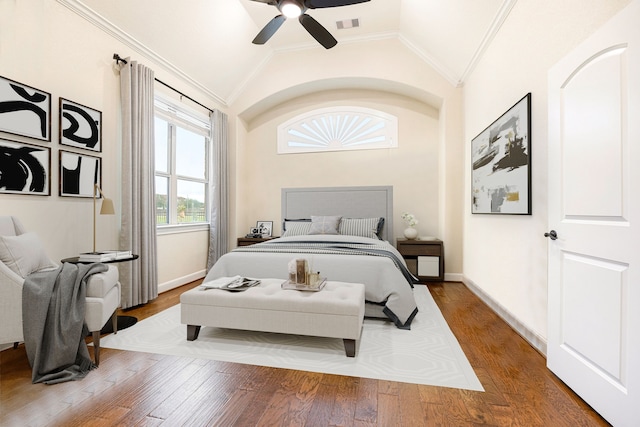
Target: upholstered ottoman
337,311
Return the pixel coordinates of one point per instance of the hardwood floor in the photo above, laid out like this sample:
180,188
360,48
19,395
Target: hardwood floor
132,389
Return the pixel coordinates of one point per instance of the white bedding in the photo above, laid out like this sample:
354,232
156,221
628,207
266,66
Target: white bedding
385,284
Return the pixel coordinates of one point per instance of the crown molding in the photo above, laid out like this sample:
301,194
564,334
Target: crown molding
495,26
449,75
119,34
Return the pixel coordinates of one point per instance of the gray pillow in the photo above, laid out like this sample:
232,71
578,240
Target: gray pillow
324,224
24,254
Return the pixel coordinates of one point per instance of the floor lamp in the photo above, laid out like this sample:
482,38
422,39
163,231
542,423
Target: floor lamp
105,209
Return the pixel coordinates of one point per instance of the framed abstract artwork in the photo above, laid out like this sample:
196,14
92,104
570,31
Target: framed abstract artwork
80,126
501,164
24,168
78,174
24,110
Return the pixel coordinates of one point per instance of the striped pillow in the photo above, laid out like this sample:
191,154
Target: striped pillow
361,227
296,228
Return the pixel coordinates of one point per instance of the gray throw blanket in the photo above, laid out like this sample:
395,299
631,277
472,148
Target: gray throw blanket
327,247
53,308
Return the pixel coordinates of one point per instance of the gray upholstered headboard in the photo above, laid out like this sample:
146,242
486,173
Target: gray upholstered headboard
350,202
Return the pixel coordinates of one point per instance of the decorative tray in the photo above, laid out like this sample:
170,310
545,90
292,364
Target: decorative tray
302,287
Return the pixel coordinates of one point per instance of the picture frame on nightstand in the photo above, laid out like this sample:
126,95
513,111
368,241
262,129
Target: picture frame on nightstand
265,228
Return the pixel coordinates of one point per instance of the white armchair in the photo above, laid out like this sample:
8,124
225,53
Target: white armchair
103,289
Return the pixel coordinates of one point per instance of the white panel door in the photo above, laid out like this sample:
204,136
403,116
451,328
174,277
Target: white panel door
594,210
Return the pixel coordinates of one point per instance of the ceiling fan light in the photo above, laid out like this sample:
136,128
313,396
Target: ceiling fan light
291,10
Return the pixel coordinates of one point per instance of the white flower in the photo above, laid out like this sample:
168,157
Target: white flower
410,219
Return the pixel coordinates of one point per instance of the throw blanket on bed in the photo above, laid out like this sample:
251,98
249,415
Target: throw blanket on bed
388,283
342,248
53,311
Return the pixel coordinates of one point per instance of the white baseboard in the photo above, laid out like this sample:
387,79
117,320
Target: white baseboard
536,341
453,277
175,283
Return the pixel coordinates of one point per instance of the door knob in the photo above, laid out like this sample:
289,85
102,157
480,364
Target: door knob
552,235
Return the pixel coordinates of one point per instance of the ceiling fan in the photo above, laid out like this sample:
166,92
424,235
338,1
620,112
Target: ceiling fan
297,9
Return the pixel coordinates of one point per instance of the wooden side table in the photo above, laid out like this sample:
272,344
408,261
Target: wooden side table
248,241
425,258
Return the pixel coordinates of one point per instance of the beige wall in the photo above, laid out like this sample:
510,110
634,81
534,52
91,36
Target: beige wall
43,45
47,46
412,168
506,256
425,170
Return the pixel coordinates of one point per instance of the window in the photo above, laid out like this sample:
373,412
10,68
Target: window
337,129
181,165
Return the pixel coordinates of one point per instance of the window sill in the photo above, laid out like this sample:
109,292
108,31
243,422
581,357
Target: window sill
181,228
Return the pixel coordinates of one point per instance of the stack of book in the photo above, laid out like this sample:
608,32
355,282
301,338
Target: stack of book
103,256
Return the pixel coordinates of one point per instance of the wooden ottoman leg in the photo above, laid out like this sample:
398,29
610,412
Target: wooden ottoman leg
192,332
350,347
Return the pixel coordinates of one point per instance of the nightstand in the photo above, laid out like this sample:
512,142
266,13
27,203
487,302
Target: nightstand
248,241
425,258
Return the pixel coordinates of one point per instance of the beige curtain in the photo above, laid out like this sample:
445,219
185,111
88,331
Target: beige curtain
218,189
139,278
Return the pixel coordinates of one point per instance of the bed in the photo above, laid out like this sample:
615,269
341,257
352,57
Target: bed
360,252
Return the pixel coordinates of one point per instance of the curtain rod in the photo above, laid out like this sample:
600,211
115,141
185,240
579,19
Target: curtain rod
119,59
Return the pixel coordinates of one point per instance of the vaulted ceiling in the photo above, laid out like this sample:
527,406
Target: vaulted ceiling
208,42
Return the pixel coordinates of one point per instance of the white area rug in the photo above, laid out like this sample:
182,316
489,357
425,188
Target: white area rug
427,354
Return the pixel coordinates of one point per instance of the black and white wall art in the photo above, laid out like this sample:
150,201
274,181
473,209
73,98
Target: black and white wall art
264,228
501,164
78,174
80,126
24,168
24,110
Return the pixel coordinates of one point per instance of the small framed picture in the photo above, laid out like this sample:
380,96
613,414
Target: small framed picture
24,168
78,174
24,110
254,230
80,126
264,228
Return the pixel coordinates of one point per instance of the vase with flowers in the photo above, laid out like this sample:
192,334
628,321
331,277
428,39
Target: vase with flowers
410,232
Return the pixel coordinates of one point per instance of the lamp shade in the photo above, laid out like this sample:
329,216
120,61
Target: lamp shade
107,207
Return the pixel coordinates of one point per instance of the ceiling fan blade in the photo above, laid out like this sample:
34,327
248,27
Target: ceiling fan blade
269,30
318,32
318,4
271,2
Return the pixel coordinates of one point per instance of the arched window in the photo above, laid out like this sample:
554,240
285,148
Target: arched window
338,128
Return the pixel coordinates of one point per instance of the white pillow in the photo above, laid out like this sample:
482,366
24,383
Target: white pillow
324,224
24,254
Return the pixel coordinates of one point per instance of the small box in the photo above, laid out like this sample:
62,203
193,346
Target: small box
428,266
